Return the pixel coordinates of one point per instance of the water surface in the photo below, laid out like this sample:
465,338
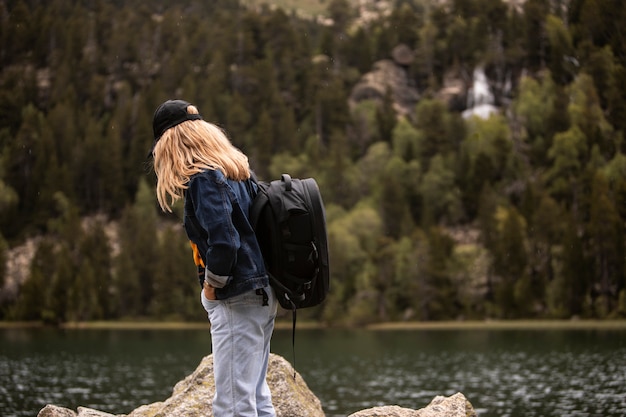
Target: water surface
502,372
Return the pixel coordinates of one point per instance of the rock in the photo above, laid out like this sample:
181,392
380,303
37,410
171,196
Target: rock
387,74
454,406
193,397
403,55
90,412
55,411
454,91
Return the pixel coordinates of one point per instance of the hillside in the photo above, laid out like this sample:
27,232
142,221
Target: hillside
470,153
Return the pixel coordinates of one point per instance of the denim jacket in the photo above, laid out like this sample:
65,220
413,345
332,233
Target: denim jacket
216,220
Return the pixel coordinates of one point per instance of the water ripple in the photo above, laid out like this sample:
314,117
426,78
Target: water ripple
503,374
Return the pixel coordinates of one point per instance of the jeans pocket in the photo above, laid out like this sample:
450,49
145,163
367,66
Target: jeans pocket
206,303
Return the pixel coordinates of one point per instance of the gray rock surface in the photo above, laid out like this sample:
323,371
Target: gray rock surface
193,397
454,406
386,74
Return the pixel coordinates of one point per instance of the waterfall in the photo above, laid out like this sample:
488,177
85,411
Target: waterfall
480,100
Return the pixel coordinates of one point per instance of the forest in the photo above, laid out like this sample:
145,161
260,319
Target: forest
431,215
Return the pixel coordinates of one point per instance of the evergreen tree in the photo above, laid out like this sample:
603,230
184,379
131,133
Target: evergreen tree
542,112
394,198
87,306
23,163
29,305
263,139
404,293
587,114
331,108
546,232
363,127
439,128
534,14
615,174
574,275
353,237
139,250
359,50
386,117
561,50
237,122
96,260
176,285
406,140
510,260
568,153
8,200
441,297
490,139
606,237
441,198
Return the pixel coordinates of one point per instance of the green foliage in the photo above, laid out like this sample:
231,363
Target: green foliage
469,265
441,199
175,289
4,249
561,50
568,152
539,189
541,113
606,230
586,113
510,263
437,125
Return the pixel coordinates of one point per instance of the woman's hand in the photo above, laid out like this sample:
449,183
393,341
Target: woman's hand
209,292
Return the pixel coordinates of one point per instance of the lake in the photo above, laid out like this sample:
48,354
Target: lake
520,372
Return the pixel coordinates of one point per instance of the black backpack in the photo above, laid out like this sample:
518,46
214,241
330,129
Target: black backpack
289,220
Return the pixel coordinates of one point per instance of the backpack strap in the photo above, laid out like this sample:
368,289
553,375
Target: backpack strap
258,202
276,282
286,178
259,199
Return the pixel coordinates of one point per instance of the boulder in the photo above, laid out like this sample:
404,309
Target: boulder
193,397
454,406
56,411
387,75
453,92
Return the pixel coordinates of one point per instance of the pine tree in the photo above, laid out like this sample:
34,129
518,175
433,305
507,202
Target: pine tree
586,113
136,267
262,144
441,295
568,152
176,285
606,238
95,252
534,15
386,117
29,305
561,50
510,261
441,198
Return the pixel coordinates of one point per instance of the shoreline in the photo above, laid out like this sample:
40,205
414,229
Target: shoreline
527,324
389,326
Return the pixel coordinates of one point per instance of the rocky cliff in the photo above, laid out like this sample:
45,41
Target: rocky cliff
192,397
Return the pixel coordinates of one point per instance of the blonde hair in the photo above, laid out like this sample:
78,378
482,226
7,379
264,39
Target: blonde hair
189,148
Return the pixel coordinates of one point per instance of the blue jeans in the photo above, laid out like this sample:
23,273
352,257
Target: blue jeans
241,329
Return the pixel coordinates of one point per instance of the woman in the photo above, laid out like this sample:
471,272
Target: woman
194,160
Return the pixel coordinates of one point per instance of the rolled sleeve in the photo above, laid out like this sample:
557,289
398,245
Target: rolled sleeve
212,202
216,281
